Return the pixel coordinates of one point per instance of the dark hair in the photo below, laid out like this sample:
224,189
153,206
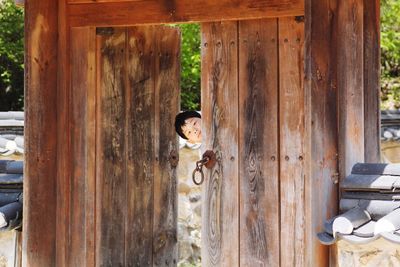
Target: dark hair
180,121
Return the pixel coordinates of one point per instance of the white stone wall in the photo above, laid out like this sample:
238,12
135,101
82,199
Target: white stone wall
379,253
7,248
189,209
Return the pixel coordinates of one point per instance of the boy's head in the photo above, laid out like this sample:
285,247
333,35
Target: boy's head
188,126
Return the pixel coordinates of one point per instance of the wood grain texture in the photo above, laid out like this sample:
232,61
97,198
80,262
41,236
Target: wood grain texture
258,143
321,92
82,187
140,146
120,13
220,210
372,81
63,136
167,96
292,138
350,84
111,199
39,222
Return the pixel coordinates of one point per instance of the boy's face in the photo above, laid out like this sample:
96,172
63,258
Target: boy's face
192,129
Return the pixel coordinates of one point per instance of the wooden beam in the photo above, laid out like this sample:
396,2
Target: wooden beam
321,92
156,12
371,81
39,222
350,73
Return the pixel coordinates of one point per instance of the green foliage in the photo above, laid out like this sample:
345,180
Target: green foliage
390,54
11,56
190,69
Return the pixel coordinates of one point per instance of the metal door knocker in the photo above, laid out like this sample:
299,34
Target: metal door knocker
209,159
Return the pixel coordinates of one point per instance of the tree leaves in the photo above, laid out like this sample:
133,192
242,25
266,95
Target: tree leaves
390,54
11,56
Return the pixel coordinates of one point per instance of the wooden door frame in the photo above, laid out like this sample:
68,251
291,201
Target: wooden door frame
47,99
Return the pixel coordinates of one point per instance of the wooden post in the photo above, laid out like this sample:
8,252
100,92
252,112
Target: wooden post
322,141
39,221
350,77
371,81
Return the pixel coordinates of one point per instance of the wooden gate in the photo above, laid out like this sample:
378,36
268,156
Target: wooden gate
125,92
253,106
121,208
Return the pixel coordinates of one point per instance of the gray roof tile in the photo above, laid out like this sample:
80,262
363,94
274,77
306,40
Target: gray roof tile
353,224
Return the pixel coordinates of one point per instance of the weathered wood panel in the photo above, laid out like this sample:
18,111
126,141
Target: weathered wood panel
39,222
63,136
371,81
293,175
321,92
79,62
167,96
140,146
111,186
82,185
124,13
220,213
258,143
350,84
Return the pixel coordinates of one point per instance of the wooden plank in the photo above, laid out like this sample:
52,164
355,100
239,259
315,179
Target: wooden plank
140,125
157,12
350,84
111,170
321,111
167,96
39,223
292,138
63,136
258,143
220,210
82,187
371,81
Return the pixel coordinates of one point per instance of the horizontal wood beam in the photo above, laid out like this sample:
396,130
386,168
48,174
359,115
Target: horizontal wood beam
157,12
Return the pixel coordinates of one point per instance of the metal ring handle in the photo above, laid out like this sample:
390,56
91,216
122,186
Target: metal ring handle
194,176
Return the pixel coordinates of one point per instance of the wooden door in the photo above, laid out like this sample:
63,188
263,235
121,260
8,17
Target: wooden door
253,107
122,199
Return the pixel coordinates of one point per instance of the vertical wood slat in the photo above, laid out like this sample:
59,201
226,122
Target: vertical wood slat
350,84
321,90
39,222
220,211
140,147
258,143
167,89
371,81
82,190
293,175
111,182
63,136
